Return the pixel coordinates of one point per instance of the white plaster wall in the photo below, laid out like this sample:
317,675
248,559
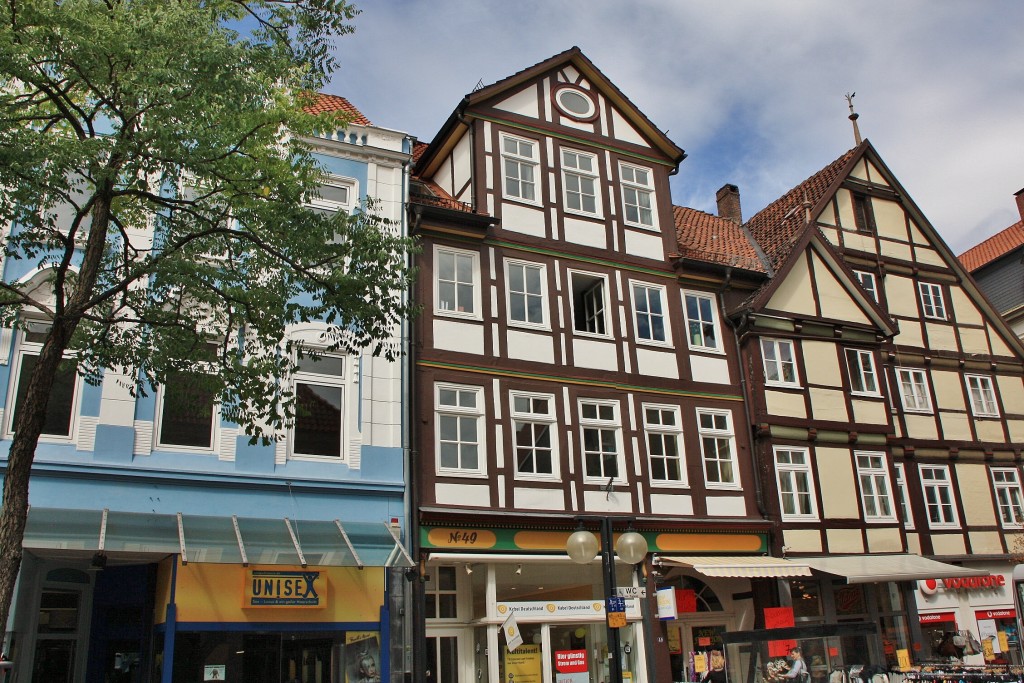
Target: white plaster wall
726,506
598,355
709,369
653,363
458,336
531,346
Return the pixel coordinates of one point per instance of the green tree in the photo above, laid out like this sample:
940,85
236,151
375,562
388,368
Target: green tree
153,176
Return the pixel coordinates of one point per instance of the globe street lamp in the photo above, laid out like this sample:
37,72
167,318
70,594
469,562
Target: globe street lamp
582,547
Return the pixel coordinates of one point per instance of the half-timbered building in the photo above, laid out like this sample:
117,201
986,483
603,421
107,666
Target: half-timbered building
565,376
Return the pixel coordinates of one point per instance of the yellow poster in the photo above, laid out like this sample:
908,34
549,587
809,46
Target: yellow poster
1004,642
700,663
523,665
903,660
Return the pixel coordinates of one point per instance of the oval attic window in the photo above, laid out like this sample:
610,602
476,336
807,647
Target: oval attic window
575,103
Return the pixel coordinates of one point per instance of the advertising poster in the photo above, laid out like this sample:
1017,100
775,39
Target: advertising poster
214,672
779,617
571,666
362,657
523,665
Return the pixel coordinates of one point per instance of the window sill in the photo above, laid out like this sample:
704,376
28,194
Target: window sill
784,385
723,487
529,327
659,484
593,335
918,411
881,520
986,416
706,349
866,394
457,315
538,478
801,518
461,474
519,200
655,344
583,214
641,226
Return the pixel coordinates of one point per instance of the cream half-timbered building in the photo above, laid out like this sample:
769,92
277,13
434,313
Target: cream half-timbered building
565,376
885,397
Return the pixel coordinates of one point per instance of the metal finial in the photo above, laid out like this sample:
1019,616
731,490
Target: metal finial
853,116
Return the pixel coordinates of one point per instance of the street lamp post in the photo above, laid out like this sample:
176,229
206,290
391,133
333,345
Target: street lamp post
582,547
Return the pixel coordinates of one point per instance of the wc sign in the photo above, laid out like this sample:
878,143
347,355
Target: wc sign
966,583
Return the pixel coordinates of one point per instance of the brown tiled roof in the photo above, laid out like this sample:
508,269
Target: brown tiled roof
778,226
704,237
428,192
323,103
994,247
418,149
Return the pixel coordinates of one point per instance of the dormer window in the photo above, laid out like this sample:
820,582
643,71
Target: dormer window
862,215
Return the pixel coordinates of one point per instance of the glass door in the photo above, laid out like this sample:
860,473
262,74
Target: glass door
58,623
442,657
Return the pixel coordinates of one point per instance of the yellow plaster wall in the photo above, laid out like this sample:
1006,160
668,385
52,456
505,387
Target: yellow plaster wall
860,241
913,543
828,404
916,234
831,234
885,540
860,171
999,347
975,493
901,295
949,544
844,540
793,294
929,256
1016,428
890,219
990,430
834,299
964,310
986,543
828,215
955,426
870,412
921,426
845,202
941,336
785,403
822,363
802,540
875,175
838,483
973,340
899,250
949,390
911,334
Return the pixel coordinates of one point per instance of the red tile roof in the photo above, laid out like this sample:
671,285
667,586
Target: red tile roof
323,103
418,149
994,247
704,237
780,224
429,193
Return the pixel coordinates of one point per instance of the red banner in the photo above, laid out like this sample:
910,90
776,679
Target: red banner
570,661
686,601
995,614
938,618
779,617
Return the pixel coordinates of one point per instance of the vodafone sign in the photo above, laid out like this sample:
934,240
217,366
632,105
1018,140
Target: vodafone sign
931,586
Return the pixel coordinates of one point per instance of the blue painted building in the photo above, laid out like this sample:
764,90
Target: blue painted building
162,546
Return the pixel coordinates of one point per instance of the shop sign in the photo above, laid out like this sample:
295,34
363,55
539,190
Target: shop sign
276,588
930,586
571,666
667,608
561,609
938,618
995,614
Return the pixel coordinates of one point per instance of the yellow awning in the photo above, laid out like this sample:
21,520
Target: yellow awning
744,566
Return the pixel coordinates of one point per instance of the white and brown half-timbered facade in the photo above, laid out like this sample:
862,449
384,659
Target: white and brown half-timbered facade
564,376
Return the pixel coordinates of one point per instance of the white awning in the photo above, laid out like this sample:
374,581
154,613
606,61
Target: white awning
744,566
879,568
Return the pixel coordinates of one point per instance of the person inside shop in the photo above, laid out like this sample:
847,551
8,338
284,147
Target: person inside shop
715,673
797,668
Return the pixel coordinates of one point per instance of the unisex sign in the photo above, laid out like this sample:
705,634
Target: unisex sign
283,588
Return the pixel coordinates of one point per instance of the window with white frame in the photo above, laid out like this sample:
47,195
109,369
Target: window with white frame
589,303
459,427
867,281
779,362
456,278
600,436
649,308
637,195
441,593
580,182
664,432
701,321
796,488
319,407
904,494
863,378
875,492
187,409
914,394
983,396
519,164
938,497
335,194
527,303
1006,484
533,418
718,448
62,402
932,304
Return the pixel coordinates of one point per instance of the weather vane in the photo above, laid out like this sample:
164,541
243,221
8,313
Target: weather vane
853,116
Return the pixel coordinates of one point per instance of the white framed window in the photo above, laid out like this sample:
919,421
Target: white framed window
867,281
456,282
459,427
527,293
779,362
589,303
533,419
700,310
904,494
575,103
983,395
914,392
336,194
600,431
637,195
442,593
580,181
932,304
863,378
796,485
939,503
62,406
649,311
875,492
188,414
520,162
718,448
1009,499
664,431
319,430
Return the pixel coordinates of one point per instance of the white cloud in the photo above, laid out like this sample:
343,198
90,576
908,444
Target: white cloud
752,90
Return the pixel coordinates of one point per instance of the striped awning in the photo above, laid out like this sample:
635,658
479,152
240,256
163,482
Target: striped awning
744,566
882,568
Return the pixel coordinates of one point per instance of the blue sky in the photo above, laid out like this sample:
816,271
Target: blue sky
752,90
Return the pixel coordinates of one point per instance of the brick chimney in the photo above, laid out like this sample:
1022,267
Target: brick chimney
1020,202
729,203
